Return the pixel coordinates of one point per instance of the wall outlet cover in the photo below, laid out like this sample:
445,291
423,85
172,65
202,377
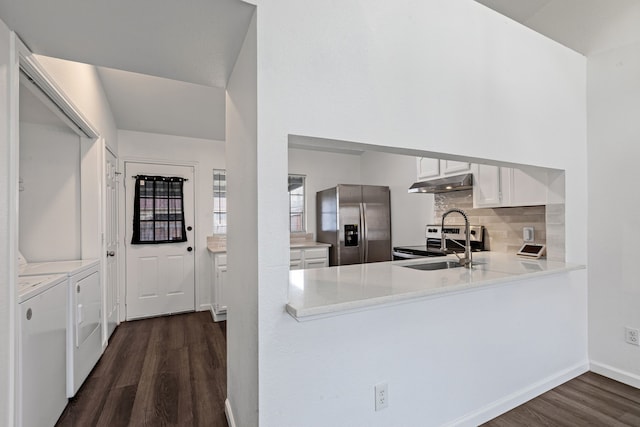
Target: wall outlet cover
632,335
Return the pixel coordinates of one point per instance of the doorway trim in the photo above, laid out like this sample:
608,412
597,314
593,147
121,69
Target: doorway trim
122,163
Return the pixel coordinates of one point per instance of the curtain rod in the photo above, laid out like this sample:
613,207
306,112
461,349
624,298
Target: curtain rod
137,176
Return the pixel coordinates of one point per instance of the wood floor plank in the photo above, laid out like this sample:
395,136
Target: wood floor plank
611,387
588,400
117,409
166,371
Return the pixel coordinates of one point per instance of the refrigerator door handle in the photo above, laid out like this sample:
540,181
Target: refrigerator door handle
365,232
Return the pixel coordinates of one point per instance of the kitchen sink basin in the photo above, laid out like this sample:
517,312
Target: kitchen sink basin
442,265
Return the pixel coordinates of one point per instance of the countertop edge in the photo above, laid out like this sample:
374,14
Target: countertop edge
331,310
309,245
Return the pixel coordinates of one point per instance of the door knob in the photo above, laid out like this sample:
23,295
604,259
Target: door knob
111,253
189,228
189,249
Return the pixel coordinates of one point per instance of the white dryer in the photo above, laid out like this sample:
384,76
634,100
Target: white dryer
42,326
84,320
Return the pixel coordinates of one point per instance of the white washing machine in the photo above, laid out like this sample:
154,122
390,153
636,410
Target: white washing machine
84,322
42,326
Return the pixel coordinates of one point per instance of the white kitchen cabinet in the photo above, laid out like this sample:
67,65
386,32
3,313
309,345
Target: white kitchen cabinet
309,258
428,168
528,187
451,167
495,186
219,272
491,185
295,259
316,258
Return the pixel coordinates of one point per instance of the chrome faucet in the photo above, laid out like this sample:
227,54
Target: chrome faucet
468,258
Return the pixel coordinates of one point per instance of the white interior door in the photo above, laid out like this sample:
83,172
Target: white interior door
111,242
160,277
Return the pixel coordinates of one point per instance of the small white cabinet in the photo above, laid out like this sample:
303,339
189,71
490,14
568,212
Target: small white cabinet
295,259
428,168
309,258
219,294
495,186
450,167
490,186
528,187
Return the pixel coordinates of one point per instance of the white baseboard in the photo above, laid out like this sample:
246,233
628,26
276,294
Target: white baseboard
229,413
218,317
519,397
619,375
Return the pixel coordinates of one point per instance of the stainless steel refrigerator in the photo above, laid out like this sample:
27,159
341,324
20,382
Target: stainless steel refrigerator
356,221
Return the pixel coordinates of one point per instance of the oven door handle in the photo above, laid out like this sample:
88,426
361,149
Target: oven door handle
407,255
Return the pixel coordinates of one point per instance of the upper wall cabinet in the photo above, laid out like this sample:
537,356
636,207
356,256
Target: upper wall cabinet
495,186
428,168
489,184
528,187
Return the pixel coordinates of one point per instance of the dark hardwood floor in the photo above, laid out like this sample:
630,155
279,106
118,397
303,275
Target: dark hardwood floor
165,371
588,400
171,371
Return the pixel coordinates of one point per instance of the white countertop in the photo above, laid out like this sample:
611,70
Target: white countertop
330,291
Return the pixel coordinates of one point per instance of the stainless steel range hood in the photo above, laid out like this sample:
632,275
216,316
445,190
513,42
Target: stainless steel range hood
444,185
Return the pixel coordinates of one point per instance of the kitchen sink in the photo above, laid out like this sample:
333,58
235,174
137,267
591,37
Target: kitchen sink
442,265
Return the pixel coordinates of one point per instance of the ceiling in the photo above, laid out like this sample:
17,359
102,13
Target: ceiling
586,26
164,63
195,41
152,104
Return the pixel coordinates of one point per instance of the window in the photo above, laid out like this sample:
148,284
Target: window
158,215
297,223
219,201
296,204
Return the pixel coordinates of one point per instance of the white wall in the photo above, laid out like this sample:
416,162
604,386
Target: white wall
206,155
50,200
439,76
246,228
614,150
410,213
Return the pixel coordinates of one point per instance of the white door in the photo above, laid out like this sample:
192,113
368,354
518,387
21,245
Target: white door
160,277
111,242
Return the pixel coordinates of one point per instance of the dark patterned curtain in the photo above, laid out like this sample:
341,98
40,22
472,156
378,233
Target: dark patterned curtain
158,214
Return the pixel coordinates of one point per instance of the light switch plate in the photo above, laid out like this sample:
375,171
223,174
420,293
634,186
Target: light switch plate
528,234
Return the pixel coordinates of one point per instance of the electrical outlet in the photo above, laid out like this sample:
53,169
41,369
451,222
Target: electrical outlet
382,396
632,336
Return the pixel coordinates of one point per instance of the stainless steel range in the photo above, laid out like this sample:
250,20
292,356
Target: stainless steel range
433,236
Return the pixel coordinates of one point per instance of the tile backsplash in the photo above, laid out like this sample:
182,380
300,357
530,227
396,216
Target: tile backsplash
504,225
